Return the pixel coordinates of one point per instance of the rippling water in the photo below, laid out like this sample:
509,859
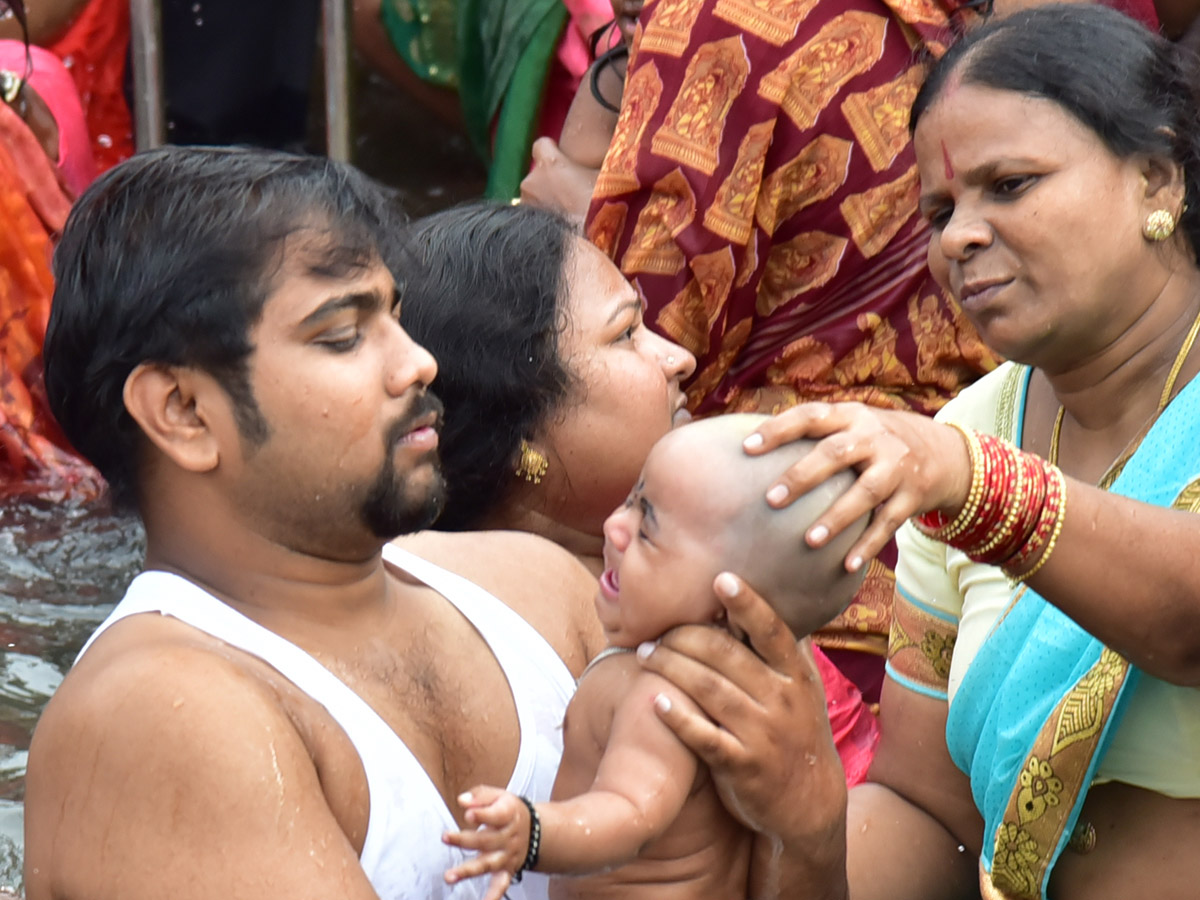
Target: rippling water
61,570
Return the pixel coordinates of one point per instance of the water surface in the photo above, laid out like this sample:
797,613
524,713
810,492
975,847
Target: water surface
62,568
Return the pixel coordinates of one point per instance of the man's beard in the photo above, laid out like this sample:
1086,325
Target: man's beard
389,508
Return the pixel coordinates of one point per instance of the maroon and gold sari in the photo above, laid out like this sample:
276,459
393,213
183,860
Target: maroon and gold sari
761,193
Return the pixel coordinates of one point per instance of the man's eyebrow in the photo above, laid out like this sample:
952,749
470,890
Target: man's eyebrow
635,303
648,512
362,301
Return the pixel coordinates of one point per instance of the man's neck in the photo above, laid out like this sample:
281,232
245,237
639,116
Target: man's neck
275,585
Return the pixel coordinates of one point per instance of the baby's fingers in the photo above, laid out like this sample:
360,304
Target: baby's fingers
484,839
498,885
483,864
480,795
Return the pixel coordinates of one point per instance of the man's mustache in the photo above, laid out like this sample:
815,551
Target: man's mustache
425,404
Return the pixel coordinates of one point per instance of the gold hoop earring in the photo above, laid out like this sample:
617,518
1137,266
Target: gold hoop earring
533,464
1159,226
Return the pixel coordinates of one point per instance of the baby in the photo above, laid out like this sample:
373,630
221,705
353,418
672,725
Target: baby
634,812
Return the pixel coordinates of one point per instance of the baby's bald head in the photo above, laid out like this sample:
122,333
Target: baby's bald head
765,546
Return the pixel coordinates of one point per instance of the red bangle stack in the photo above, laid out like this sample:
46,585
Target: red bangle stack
1014,509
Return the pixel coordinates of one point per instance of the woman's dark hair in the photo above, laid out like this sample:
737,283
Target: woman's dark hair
1133,88
482,291
169,257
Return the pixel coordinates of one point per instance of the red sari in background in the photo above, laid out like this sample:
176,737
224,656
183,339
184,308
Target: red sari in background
93,48
761,193
35,459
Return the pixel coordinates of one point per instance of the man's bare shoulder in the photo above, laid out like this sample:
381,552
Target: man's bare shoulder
538,579
156,741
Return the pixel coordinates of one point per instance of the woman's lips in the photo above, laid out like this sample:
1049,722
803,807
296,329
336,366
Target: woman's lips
980,293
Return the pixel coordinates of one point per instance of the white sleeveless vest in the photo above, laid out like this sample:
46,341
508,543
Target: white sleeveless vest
403,854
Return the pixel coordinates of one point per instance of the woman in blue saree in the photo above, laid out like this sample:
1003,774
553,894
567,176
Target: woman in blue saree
1040,722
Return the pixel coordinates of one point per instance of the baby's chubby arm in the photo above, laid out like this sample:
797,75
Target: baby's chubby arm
641,784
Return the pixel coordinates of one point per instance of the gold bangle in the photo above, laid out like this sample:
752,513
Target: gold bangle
975,495
1058,523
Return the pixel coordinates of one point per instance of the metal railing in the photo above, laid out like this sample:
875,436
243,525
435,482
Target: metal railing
145,38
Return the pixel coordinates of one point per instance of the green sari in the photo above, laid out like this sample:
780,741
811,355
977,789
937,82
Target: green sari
497,54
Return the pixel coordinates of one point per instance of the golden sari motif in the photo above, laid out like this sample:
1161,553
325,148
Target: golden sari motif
692,132
670,29
618,173
807,80
812,175
652,247
775,21
732,212
605,227
875,216
803,263
690,317
879,117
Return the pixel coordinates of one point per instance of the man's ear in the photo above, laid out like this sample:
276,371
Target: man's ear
167,402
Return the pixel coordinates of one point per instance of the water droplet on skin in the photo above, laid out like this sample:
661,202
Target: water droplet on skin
810,758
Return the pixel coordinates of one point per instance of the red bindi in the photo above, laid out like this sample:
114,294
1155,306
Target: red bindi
946,161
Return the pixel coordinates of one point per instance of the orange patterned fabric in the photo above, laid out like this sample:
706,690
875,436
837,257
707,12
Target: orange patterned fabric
760,192
34,454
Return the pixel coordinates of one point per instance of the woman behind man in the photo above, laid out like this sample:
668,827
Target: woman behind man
1059,153
554,388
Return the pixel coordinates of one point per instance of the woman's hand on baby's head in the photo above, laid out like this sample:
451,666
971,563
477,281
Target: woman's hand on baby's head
500,836
906,463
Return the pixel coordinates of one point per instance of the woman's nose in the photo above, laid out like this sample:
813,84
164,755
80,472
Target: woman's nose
965,233
677,362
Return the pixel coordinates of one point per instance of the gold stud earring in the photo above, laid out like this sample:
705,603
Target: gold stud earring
532,464
1159,226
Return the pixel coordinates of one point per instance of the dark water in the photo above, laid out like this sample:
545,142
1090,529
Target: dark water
61,570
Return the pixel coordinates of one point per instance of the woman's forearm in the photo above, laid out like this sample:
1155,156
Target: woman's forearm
1129,574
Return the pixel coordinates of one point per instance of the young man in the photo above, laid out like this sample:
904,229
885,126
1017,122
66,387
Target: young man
295,722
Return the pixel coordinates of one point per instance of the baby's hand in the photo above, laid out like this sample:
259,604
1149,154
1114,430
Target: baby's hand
501,837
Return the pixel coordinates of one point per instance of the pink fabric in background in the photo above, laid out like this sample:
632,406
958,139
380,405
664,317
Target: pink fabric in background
855,728
54,85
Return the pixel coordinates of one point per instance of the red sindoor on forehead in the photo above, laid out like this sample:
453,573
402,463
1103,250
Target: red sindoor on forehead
946,161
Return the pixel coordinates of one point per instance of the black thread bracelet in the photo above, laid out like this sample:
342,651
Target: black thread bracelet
535,841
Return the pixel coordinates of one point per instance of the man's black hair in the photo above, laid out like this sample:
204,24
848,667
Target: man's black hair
169,257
